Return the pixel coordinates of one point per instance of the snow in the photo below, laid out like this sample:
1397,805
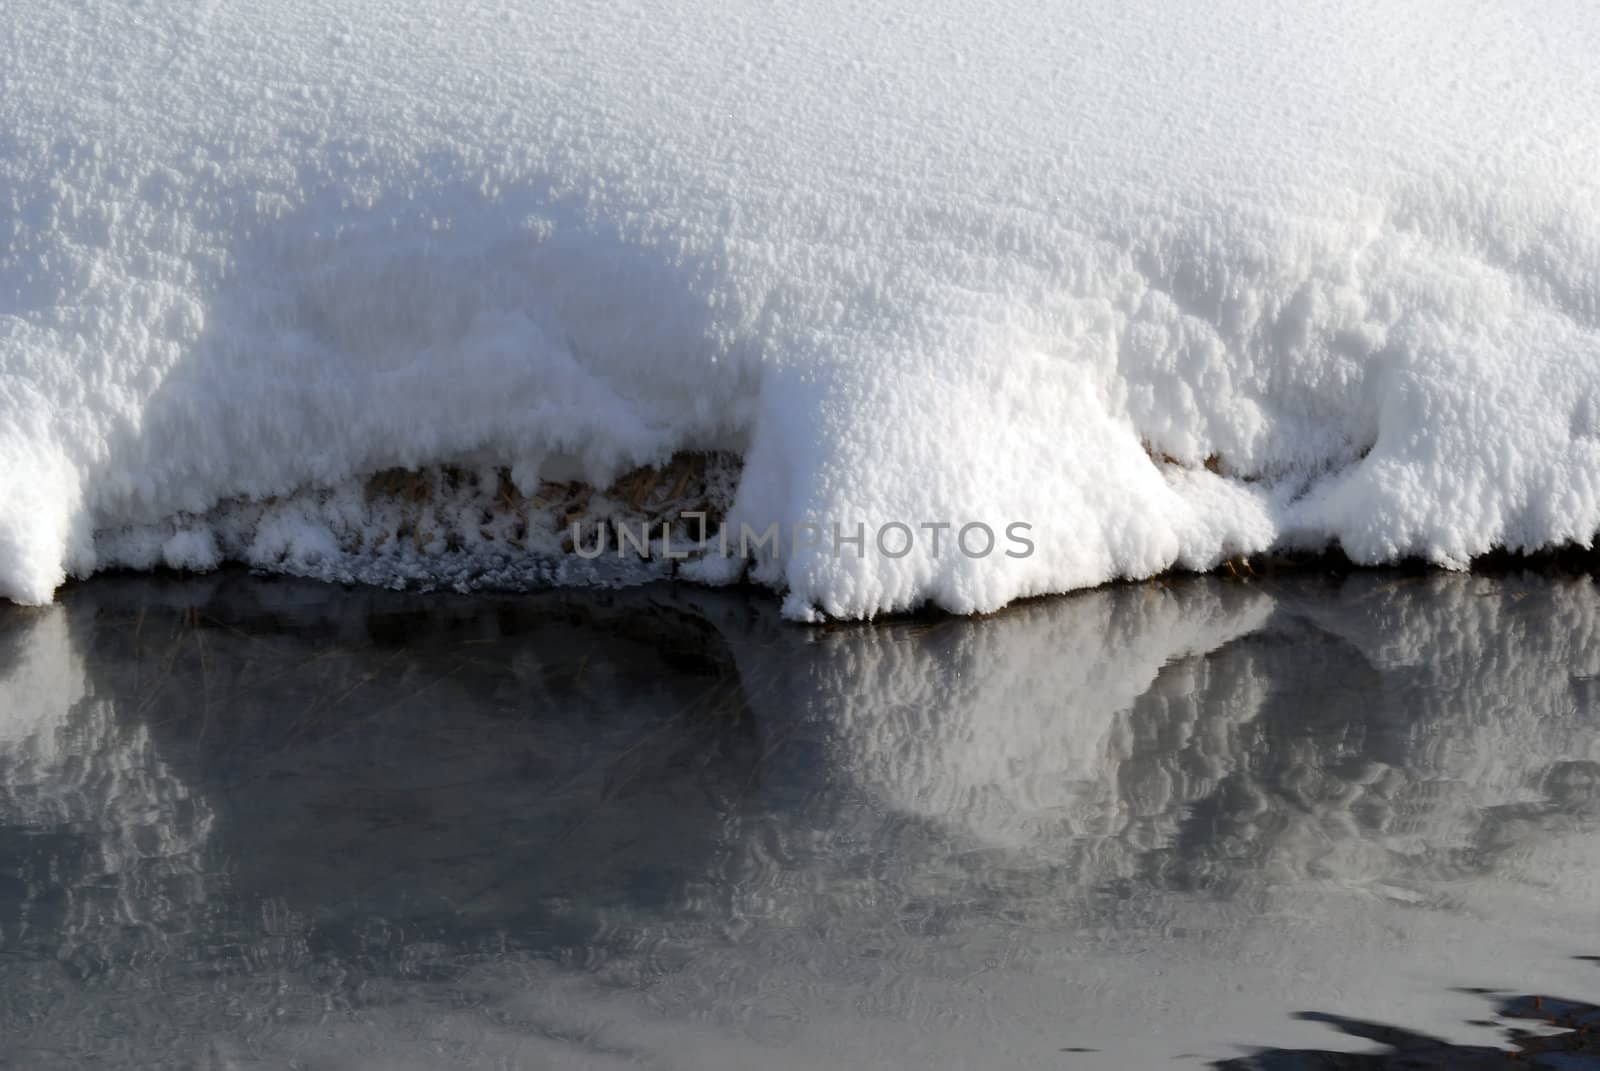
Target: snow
973,261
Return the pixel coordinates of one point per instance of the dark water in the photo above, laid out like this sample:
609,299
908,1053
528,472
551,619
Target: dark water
1306,824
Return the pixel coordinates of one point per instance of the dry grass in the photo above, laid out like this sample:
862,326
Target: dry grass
689,483
1212,463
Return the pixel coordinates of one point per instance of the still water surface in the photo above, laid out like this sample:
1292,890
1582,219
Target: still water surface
251,823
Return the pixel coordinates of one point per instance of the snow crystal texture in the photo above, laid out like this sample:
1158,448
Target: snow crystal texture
1169,283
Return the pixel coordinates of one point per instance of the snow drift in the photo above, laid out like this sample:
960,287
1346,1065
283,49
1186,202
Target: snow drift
1167,284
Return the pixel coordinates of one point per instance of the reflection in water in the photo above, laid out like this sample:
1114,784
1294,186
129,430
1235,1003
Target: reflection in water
259,823
100,840
1539,1032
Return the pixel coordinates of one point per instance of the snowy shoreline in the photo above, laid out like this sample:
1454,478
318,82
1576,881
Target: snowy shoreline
471,530
490,574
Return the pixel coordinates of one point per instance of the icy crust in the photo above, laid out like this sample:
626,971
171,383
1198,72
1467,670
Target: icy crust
449,527
1169,286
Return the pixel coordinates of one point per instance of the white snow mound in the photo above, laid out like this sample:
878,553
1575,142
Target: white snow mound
1167,283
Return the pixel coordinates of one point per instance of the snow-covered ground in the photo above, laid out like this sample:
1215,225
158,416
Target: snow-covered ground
1168,283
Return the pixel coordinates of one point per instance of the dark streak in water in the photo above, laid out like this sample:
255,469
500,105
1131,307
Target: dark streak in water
1568,1039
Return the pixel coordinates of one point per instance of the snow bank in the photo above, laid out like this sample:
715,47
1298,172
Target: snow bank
1166,284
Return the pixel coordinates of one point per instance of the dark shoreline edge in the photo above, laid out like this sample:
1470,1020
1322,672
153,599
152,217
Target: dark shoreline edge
1569,561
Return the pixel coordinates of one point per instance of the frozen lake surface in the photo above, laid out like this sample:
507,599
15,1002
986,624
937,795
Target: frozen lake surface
268,823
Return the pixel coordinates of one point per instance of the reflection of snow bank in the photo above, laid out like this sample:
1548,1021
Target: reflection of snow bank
112,837
1140,820
1459,729
1500,741
949,262
1016,729
41,680
1152,822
